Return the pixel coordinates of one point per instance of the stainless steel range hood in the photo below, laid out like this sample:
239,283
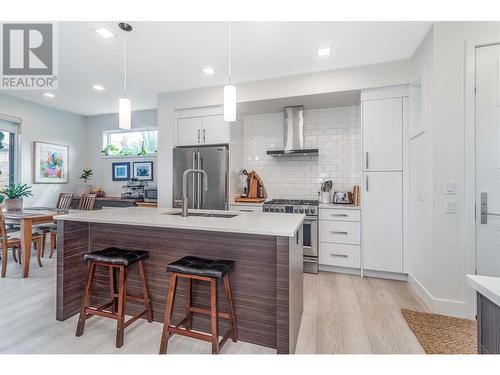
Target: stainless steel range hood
293,135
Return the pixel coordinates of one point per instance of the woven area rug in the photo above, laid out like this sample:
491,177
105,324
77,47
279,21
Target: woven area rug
441,334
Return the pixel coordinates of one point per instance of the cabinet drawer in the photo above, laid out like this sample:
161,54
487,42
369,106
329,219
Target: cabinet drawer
339,232
333,254
342,215
246,208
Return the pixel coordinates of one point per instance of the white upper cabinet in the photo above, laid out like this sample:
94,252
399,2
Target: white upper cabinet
215,130
383,134
189,131
202,130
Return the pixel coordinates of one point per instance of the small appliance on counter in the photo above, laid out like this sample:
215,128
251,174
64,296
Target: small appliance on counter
151,194
342,197
134,189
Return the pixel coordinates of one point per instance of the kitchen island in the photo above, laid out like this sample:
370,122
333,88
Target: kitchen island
266,282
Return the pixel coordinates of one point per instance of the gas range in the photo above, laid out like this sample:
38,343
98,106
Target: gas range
302,206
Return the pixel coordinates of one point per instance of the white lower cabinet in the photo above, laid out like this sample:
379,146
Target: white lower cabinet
333,254
340,237
383,221
340,232
247,208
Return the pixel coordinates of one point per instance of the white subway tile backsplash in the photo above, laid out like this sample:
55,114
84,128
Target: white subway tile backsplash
336,132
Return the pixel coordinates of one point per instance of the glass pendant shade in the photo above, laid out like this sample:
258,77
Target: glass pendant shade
124,114
229,103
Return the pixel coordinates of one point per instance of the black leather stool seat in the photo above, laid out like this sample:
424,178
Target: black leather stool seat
117,256
217,268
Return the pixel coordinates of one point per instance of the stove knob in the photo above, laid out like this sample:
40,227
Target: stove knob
307,210
313,210
301,210
295,210
271,209
282,210
266,209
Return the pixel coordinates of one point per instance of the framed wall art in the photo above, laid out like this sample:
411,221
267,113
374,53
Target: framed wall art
50,164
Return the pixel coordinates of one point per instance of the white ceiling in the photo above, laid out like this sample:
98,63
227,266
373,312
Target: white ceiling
168,56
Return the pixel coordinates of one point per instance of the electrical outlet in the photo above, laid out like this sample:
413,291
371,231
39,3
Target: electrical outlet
451,206
451,187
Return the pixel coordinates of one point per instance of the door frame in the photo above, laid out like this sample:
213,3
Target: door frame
470,163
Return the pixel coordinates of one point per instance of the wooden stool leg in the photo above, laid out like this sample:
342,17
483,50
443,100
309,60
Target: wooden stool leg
168,313
85,299
112,289
214,321
39,251
121,307
145,291
232,317
53,243
189,315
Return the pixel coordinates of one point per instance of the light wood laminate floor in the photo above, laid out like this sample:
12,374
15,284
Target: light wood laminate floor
342,314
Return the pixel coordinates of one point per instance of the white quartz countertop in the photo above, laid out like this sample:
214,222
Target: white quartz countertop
488,286
339,206
278,224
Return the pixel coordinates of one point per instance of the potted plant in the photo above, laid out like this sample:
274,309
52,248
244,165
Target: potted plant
84,188
14,194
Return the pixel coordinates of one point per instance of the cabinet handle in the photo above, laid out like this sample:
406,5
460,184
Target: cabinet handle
366,160
366,184
338,255
204,135
338,232
343,215
198,135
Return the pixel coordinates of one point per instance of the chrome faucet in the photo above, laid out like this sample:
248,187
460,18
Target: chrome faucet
184,211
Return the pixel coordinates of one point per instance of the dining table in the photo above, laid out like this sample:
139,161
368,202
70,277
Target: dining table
26,219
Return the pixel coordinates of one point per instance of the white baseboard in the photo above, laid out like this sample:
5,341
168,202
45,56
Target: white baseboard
367,273
438,305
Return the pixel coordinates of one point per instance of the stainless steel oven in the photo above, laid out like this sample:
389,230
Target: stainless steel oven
310,226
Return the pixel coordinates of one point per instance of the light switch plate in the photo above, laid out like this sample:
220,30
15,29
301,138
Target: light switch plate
451,187
451,206
420,196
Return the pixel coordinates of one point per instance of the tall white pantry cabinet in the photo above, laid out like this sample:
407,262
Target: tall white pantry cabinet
384,116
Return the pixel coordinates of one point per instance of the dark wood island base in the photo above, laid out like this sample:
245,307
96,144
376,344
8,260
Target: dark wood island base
266,282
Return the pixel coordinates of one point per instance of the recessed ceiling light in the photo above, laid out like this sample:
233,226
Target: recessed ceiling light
105,33
49,95
209,71
98,87
324,51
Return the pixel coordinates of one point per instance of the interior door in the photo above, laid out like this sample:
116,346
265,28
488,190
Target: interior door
214,160
215,130
383,134
383,221
488,160
184,158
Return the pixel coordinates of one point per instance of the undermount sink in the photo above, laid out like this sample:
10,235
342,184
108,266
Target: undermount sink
205,214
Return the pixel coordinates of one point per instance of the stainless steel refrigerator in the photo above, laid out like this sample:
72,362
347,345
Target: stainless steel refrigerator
212,159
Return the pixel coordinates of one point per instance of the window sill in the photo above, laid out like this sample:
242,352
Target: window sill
129,156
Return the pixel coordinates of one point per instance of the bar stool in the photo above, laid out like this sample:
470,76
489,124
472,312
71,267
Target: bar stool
117,261
210,271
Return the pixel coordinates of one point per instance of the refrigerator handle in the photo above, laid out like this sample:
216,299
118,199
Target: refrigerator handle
200,192
194,186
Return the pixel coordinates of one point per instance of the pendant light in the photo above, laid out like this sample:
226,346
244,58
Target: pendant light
124,104
230,91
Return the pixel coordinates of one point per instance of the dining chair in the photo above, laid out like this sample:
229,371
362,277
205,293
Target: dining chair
87,202
15,244
63,203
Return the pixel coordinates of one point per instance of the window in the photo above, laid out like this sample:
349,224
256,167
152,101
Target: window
8,136
135,142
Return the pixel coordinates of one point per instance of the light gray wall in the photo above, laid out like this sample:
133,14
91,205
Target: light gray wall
100,165
41,123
